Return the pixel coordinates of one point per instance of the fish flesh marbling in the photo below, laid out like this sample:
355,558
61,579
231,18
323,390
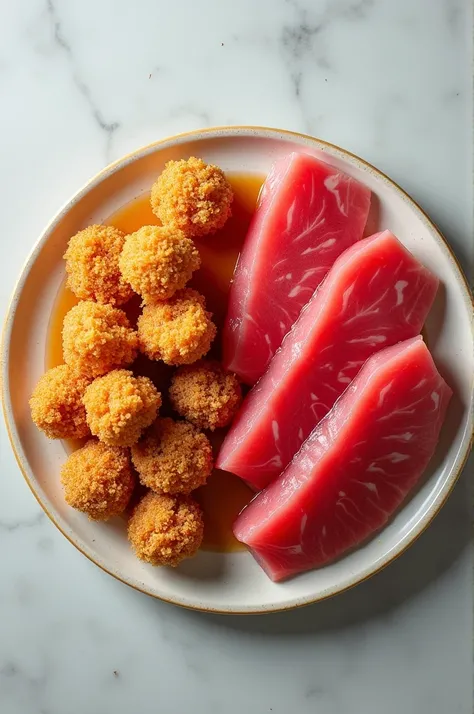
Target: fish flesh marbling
376,294
355,468
308,213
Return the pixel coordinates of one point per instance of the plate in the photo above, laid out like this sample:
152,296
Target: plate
232,582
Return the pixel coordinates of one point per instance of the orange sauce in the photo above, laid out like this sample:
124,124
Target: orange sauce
54,349
224,495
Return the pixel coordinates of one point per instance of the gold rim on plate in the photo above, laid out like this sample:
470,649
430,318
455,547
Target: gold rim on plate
109,170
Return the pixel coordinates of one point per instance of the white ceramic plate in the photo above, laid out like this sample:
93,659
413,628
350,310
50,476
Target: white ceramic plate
233,582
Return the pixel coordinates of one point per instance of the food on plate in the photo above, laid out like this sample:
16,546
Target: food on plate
92,265
355,468
56,404
173,457
205,394
157,261
313,310
192,196
177,331
308,214
98,480
164,530
98,338
376,294
119,406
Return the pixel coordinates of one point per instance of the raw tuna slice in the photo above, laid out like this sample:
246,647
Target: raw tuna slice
308,214
356,467
375,295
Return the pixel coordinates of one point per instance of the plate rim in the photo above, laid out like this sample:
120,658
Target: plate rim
197,134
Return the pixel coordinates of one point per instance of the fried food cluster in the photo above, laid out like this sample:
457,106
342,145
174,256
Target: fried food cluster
178,331
163,530
56,404
157,261
205,394
120,406
92,265
98,480
93,393
97,338
192,196
173,457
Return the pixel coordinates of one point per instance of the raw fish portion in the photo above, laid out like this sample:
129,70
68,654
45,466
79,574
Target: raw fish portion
376,294
307,215
356,467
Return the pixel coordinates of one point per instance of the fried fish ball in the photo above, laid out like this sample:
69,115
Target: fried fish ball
205,394
120,406
98,480
92,264
192,196
56,404
173,457
157,261
98,338
164,530
178,331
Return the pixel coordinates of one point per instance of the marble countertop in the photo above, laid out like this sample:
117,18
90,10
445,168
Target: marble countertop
82,83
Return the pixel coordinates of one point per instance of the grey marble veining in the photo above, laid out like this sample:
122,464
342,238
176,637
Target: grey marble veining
82,83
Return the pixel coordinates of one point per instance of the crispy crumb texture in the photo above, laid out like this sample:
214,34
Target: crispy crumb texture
95,395
56,404
173,457
205,394
192,196
120,406
92,265
97,338
157,261
98,480
178,331
164,530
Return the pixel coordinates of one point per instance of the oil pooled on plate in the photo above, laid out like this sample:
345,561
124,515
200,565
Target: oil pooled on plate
224,495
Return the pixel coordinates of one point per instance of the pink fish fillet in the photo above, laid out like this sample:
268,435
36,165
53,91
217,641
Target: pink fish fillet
375,295
355,468
308,214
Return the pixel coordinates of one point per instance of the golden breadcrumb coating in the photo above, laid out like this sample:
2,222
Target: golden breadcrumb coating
120,406
192,196
173,457
157,261
98,480
56,404
92,264
205,394
164,530
98,338
178,331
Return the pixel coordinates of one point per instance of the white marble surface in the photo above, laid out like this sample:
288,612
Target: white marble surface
81,83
